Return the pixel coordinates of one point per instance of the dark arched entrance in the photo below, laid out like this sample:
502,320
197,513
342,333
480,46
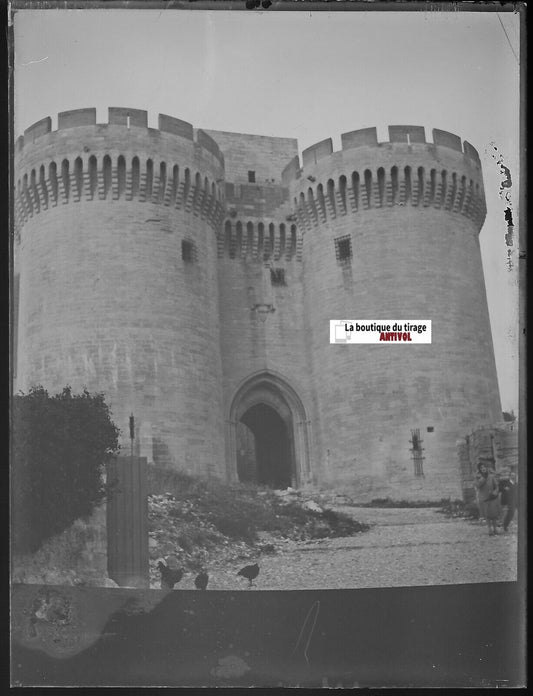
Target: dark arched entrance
267,436
264,448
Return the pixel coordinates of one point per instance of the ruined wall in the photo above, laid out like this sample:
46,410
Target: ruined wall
76,556
496,447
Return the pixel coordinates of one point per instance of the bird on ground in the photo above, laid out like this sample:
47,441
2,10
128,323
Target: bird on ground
169,576
250,572
201,580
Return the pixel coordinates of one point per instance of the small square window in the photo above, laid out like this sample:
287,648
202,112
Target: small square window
188,251
430,428
277,276
343,250
251,177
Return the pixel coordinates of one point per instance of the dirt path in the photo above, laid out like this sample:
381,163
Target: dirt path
405,547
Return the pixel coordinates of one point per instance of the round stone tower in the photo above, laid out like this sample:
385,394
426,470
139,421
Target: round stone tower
391,232
115,271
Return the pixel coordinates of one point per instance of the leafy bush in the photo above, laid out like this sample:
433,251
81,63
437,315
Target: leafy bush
59,447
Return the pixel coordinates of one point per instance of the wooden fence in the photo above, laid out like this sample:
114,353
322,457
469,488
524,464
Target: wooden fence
127,522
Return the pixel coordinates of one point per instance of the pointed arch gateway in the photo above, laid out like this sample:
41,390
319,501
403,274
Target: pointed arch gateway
268,436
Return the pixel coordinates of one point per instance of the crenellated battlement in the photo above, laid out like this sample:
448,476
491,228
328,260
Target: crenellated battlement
119,116
179,166
382,188
406,171
124,159
259,241
367,137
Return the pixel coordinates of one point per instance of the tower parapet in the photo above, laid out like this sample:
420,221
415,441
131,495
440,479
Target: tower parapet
405,171
173,165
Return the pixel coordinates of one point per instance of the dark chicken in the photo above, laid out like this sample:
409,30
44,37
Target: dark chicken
201,580
169,576
250,572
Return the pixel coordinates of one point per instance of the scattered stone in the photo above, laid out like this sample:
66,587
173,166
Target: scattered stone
312,506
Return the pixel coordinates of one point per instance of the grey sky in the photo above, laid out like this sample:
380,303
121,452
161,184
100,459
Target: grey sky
303,75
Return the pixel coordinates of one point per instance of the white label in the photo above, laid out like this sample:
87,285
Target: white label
390,331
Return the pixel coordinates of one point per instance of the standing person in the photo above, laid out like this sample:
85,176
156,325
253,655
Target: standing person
489,494
507,489
481,506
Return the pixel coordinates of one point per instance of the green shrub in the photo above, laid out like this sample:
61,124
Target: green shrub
59,447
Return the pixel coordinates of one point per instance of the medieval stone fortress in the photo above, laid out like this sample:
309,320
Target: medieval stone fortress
191,276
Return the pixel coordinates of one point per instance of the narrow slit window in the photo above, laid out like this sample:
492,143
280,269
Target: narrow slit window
381,185
244,244
355,188
416,451
121,176
407,175
421,187
53,179
293,240
331,195
433,184
394,182
368,186
107,174
342,191
282,239
162,180
42,181
260,239
33,186
93,175
78,176
149,178
66,177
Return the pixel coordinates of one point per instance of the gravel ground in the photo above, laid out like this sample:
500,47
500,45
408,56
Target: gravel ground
405,547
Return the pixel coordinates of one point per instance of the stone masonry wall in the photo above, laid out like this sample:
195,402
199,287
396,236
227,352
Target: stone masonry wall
415,254
145,260
109,299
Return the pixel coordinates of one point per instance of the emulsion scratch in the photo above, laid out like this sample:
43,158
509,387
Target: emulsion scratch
505,193
41,60
306,631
